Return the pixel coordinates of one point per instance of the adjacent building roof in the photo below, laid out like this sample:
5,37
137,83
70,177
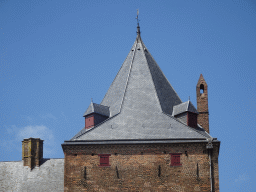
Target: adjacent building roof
141,102
48,177
96,108
184,107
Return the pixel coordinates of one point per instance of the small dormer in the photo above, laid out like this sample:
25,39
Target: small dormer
95,114
186,113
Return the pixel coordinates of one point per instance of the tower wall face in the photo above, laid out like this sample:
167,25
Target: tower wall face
140,168
202,104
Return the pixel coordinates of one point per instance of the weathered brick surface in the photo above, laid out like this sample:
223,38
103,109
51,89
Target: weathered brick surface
215,166
140,168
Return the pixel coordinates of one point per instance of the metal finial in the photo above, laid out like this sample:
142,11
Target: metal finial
138,26
189,98
91,100
137,17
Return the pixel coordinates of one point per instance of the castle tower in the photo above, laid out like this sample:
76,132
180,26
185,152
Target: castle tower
202,103
142,136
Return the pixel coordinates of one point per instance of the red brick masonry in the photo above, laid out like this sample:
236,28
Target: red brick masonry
140,168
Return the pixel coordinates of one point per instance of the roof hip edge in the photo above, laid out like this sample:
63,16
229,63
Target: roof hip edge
127,80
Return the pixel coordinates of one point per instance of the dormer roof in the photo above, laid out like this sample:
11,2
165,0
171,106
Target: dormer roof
184,107
97,108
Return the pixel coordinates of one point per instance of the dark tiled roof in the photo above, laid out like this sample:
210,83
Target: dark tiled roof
141,102
184,107
97,108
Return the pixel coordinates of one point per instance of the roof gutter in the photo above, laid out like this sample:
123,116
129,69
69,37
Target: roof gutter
209,147
139,141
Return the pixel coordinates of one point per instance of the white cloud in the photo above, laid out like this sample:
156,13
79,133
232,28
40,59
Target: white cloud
17,134
37,131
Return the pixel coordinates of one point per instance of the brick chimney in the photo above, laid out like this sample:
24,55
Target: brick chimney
32,152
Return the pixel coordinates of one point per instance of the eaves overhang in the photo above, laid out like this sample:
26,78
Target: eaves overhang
141,141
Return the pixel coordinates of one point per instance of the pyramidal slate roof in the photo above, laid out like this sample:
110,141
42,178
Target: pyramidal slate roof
96,108
184,107
140,101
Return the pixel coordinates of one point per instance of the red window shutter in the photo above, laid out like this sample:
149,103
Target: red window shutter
89,122
104,159
175,160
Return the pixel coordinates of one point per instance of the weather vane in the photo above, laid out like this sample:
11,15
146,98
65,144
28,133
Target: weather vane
137,17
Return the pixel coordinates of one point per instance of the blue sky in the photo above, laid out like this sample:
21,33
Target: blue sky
56,56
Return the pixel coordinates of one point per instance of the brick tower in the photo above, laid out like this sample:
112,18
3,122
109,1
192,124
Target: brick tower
202,103
142,137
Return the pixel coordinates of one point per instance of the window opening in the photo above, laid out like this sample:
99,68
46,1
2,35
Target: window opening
197,170
117,173
84,172
89,121
104,160
159,171
175,159
201,89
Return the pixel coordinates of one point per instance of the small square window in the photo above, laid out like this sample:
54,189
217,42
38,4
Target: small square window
175,159
89,122
104,160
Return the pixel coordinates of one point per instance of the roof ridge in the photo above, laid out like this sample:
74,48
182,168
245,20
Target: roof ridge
117,73
187,105
92,106
127,80
150,74
162,72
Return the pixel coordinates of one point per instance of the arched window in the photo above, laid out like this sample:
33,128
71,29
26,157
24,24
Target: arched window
201,89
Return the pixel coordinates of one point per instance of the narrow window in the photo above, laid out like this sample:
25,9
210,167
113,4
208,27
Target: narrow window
117,173
201,89
84,172
104,160
197,170
175,159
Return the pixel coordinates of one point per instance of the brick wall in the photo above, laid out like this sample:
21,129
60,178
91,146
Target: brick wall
139,168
